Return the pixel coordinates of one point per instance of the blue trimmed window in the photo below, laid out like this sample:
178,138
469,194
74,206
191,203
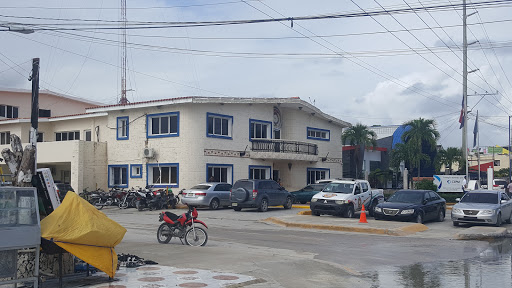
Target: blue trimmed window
259,129
219,126
123,128
162,175
319,134
219,173
136,171
259,172
163,125
315,174
118,176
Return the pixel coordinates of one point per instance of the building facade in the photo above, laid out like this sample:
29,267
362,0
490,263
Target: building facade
181,142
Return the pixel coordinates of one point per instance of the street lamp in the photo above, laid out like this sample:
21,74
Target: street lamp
18,29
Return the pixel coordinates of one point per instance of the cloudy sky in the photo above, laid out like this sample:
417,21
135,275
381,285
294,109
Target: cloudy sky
379,70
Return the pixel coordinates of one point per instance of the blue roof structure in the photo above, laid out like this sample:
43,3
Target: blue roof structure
397,135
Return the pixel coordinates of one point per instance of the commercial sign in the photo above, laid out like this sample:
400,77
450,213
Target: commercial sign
448,183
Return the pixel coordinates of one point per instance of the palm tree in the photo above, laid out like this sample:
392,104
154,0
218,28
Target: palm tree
359,136
449,156
422,132
407,153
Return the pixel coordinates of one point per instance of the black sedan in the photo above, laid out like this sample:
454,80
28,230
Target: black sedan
412,205
305,194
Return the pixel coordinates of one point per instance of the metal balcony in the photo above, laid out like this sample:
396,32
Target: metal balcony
284,150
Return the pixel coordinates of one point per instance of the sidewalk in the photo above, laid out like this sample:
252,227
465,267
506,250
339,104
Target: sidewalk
157,276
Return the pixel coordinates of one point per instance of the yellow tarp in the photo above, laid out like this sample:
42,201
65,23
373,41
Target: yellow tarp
82,230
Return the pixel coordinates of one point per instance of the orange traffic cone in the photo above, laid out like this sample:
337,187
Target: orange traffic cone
362,218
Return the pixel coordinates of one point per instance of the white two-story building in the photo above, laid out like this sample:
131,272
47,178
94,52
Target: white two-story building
180,142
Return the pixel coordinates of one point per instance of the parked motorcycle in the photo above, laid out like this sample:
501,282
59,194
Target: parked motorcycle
182,227
143,198
128,200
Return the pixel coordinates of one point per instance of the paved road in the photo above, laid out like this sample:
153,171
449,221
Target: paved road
289,257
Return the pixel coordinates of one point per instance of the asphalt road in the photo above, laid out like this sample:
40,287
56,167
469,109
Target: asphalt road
289,257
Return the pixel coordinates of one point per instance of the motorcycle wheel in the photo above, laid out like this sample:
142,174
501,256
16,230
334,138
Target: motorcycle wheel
163,235
123,205
200,238
98,204
139,206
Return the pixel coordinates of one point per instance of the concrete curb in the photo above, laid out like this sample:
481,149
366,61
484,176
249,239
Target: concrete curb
481,233
402,231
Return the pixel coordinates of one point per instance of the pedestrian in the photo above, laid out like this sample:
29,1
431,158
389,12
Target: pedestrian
464,185
211,179
509,188
279,182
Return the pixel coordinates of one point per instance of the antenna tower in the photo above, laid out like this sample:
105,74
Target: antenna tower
123,99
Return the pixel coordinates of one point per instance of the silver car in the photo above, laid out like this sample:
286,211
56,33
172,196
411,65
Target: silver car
483,206
211,194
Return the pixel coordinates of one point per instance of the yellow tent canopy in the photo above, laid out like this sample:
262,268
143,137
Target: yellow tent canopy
82,230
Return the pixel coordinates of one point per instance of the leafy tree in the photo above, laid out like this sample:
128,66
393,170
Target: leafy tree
426,185
359,135
503,172
379,178
450,156
422,132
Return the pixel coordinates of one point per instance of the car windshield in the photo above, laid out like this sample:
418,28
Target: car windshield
504,183
488,198
247,185
345,188
201,187
314,187
406,197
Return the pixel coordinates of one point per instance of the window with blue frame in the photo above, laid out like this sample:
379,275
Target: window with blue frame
122,128
163,175
259,129
163,125
315,174
136,170
259,172
319,134
118,176
219,126
219,173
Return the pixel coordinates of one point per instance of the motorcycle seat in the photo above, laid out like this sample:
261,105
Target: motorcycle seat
172,216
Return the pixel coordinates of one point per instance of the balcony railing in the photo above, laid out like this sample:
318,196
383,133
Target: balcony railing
284,146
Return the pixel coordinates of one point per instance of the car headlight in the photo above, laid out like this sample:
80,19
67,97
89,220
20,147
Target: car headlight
314,200
456,211
378,209
339,202
408,211
486,212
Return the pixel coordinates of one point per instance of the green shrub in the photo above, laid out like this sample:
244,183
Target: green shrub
425,185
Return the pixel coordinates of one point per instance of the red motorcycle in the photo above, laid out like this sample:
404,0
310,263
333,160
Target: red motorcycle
182,227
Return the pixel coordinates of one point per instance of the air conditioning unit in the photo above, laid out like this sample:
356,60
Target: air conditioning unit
148,153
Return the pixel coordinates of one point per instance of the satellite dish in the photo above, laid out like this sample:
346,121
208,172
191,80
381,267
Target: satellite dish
278,122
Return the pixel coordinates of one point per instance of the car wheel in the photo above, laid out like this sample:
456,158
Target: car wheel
240,194
440,215
419,218
237,208
214,204
371,210
288,203
263,205
377,217
498,221
314,212
350,212
455,223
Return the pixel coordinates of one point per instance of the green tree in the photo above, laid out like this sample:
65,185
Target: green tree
422,132
359,135
450,156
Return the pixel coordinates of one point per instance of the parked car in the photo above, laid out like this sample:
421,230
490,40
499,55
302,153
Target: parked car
305,194
211,194
62,189
412,205
253,193
497,184
483,206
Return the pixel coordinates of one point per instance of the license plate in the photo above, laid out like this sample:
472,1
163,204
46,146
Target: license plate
190,195
234,204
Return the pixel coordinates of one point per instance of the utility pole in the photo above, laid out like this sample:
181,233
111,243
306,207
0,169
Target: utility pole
509,167
34,116
465,86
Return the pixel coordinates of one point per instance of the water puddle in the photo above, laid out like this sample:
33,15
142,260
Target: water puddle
492,268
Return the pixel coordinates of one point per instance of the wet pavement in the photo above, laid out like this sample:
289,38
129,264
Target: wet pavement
492,268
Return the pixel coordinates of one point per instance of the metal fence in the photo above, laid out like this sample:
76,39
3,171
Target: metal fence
283,146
